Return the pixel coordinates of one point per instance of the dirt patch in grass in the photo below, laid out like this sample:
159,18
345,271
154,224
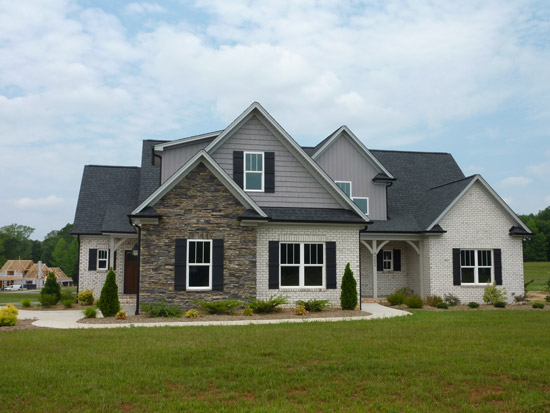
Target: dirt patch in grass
21,325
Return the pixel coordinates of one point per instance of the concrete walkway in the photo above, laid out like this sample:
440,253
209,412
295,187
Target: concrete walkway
67,319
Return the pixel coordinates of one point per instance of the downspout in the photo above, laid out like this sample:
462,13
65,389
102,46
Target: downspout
78,267
387,186
360,283
138,268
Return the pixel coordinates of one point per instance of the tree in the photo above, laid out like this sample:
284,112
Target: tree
108,300
70,265
348,296
51,288
59,253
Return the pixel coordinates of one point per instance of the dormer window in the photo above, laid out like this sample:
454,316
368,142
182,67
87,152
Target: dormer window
254,171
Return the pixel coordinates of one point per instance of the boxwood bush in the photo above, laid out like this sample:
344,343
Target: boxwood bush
413,301
396,298
443,305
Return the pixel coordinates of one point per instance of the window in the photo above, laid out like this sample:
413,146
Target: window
302,265
476,266
102,258
388,260
199,265
254,171
363,204
345,186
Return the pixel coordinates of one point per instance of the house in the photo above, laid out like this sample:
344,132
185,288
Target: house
246,211
12,272
31,275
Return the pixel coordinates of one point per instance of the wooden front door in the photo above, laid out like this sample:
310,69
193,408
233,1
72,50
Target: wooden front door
130,273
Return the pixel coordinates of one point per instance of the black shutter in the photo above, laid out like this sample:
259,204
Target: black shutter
331,265
217,265
497,255
380,261
180,264
92,259
269,171
273,265
238,160
456,266
397,260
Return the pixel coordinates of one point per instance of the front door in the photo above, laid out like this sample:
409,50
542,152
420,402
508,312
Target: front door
130,273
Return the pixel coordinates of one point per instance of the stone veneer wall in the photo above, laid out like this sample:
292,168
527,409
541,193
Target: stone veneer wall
347,250
198,207
477,221
94,280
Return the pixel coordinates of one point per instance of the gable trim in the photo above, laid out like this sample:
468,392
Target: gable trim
201,157
479,178
159,147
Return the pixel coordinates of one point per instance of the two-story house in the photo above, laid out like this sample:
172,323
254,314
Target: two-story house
247,212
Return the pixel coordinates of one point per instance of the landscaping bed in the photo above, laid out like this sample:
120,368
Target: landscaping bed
22,325
482,307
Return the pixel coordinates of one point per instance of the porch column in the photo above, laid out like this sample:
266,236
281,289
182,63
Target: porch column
374,270
421,266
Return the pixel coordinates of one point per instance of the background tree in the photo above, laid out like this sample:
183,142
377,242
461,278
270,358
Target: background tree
537,248
59,253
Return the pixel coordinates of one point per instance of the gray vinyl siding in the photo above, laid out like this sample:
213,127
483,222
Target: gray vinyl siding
342,161
175,157
294,185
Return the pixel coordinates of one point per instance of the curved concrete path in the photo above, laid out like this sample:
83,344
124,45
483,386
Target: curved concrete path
67,319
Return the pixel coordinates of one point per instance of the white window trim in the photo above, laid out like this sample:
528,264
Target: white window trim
350,187
384,260
254,172
362,197
187,287
477,267
106,259
301,283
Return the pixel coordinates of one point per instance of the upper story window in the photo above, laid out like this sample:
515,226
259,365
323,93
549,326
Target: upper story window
362,203
254,171
345,186
476,266
102,258
199,264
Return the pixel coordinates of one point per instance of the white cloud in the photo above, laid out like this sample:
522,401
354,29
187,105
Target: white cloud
474,169
541,170
144,8
38,203
515,181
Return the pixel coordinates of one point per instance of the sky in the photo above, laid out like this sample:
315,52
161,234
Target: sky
84,82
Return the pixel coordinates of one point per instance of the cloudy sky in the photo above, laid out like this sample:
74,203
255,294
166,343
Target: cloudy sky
83,82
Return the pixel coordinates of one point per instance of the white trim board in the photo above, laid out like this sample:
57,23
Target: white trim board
159,147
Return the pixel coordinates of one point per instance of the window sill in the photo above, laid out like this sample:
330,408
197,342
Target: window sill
476,285
302,289
198,289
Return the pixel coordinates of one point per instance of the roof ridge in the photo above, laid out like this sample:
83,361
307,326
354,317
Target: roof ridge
419,152
454,182
113,166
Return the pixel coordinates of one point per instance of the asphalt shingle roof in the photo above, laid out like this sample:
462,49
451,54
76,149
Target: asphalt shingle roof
306,215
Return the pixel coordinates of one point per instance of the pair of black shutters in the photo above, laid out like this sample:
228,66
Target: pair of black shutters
180,272
273,250
396,260
92,259
269,170
497,265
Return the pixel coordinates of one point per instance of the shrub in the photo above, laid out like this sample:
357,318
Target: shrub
313,306
538,304
348,296
191,314
10,308
443,305
51,288
8,315
108,300
547,285
396,298
493,294
433,300
268,306
219,307
248,311
520,298
413,301
121,315
547,298
161,309
405,291
473,304
67,303
500,304
26,303
301,310
47,300
527,283
85,297
451,299
90,312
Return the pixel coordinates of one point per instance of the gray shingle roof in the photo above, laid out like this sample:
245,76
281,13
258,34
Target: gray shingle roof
306,215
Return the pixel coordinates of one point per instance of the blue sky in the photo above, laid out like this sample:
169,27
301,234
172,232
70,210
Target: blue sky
84,82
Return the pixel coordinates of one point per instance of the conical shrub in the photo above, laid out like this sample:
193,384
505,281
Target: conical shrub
348,296
108,300
51,288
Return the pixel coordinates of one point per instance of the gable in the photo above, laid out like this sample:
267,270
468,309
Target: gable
176,156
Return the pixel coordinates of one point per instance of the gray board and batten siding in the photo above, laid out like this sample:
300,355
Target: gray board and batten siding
343,161
174,158
294,184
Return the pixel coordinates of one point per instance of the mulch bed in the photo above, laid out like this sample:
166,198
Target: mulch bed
482,307
285,313
57,307
21,325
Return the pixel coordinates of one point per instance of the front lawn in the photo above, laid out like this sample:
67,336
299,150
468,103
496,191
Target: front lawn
33,295
462,360
537,271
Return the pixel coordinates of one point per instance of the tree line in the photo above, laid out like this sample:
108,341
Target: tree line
58,249
537,248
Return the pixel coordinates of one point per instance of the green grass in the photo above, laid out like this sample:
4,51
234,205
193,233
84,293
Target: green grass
33,295
462,360
538,271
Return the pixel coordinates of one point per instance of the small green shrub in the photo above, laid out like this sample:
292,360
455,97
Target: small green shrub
85,297
520,298
67,303
396,298
538,304
451,299
433,300
219,307
473,304
108,300
547,298
90,312
442,305
413,301
268,306
8,315
301,310
248,311
51,287
121,315
161,309
405,291
26,303
348,295
500,304
547,285
492,294
47,300
313,306
191,314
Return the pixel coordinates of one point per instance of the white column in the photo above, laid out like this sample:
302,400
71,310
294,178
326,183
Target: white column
374,271
421,266
112,252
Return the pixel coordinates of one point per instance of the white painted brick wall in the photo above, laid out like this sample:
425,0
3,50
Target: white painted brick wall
477,221
347,250
94,280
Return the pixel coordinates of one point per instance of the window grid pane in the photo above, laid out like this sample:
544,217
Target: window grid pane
346,187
